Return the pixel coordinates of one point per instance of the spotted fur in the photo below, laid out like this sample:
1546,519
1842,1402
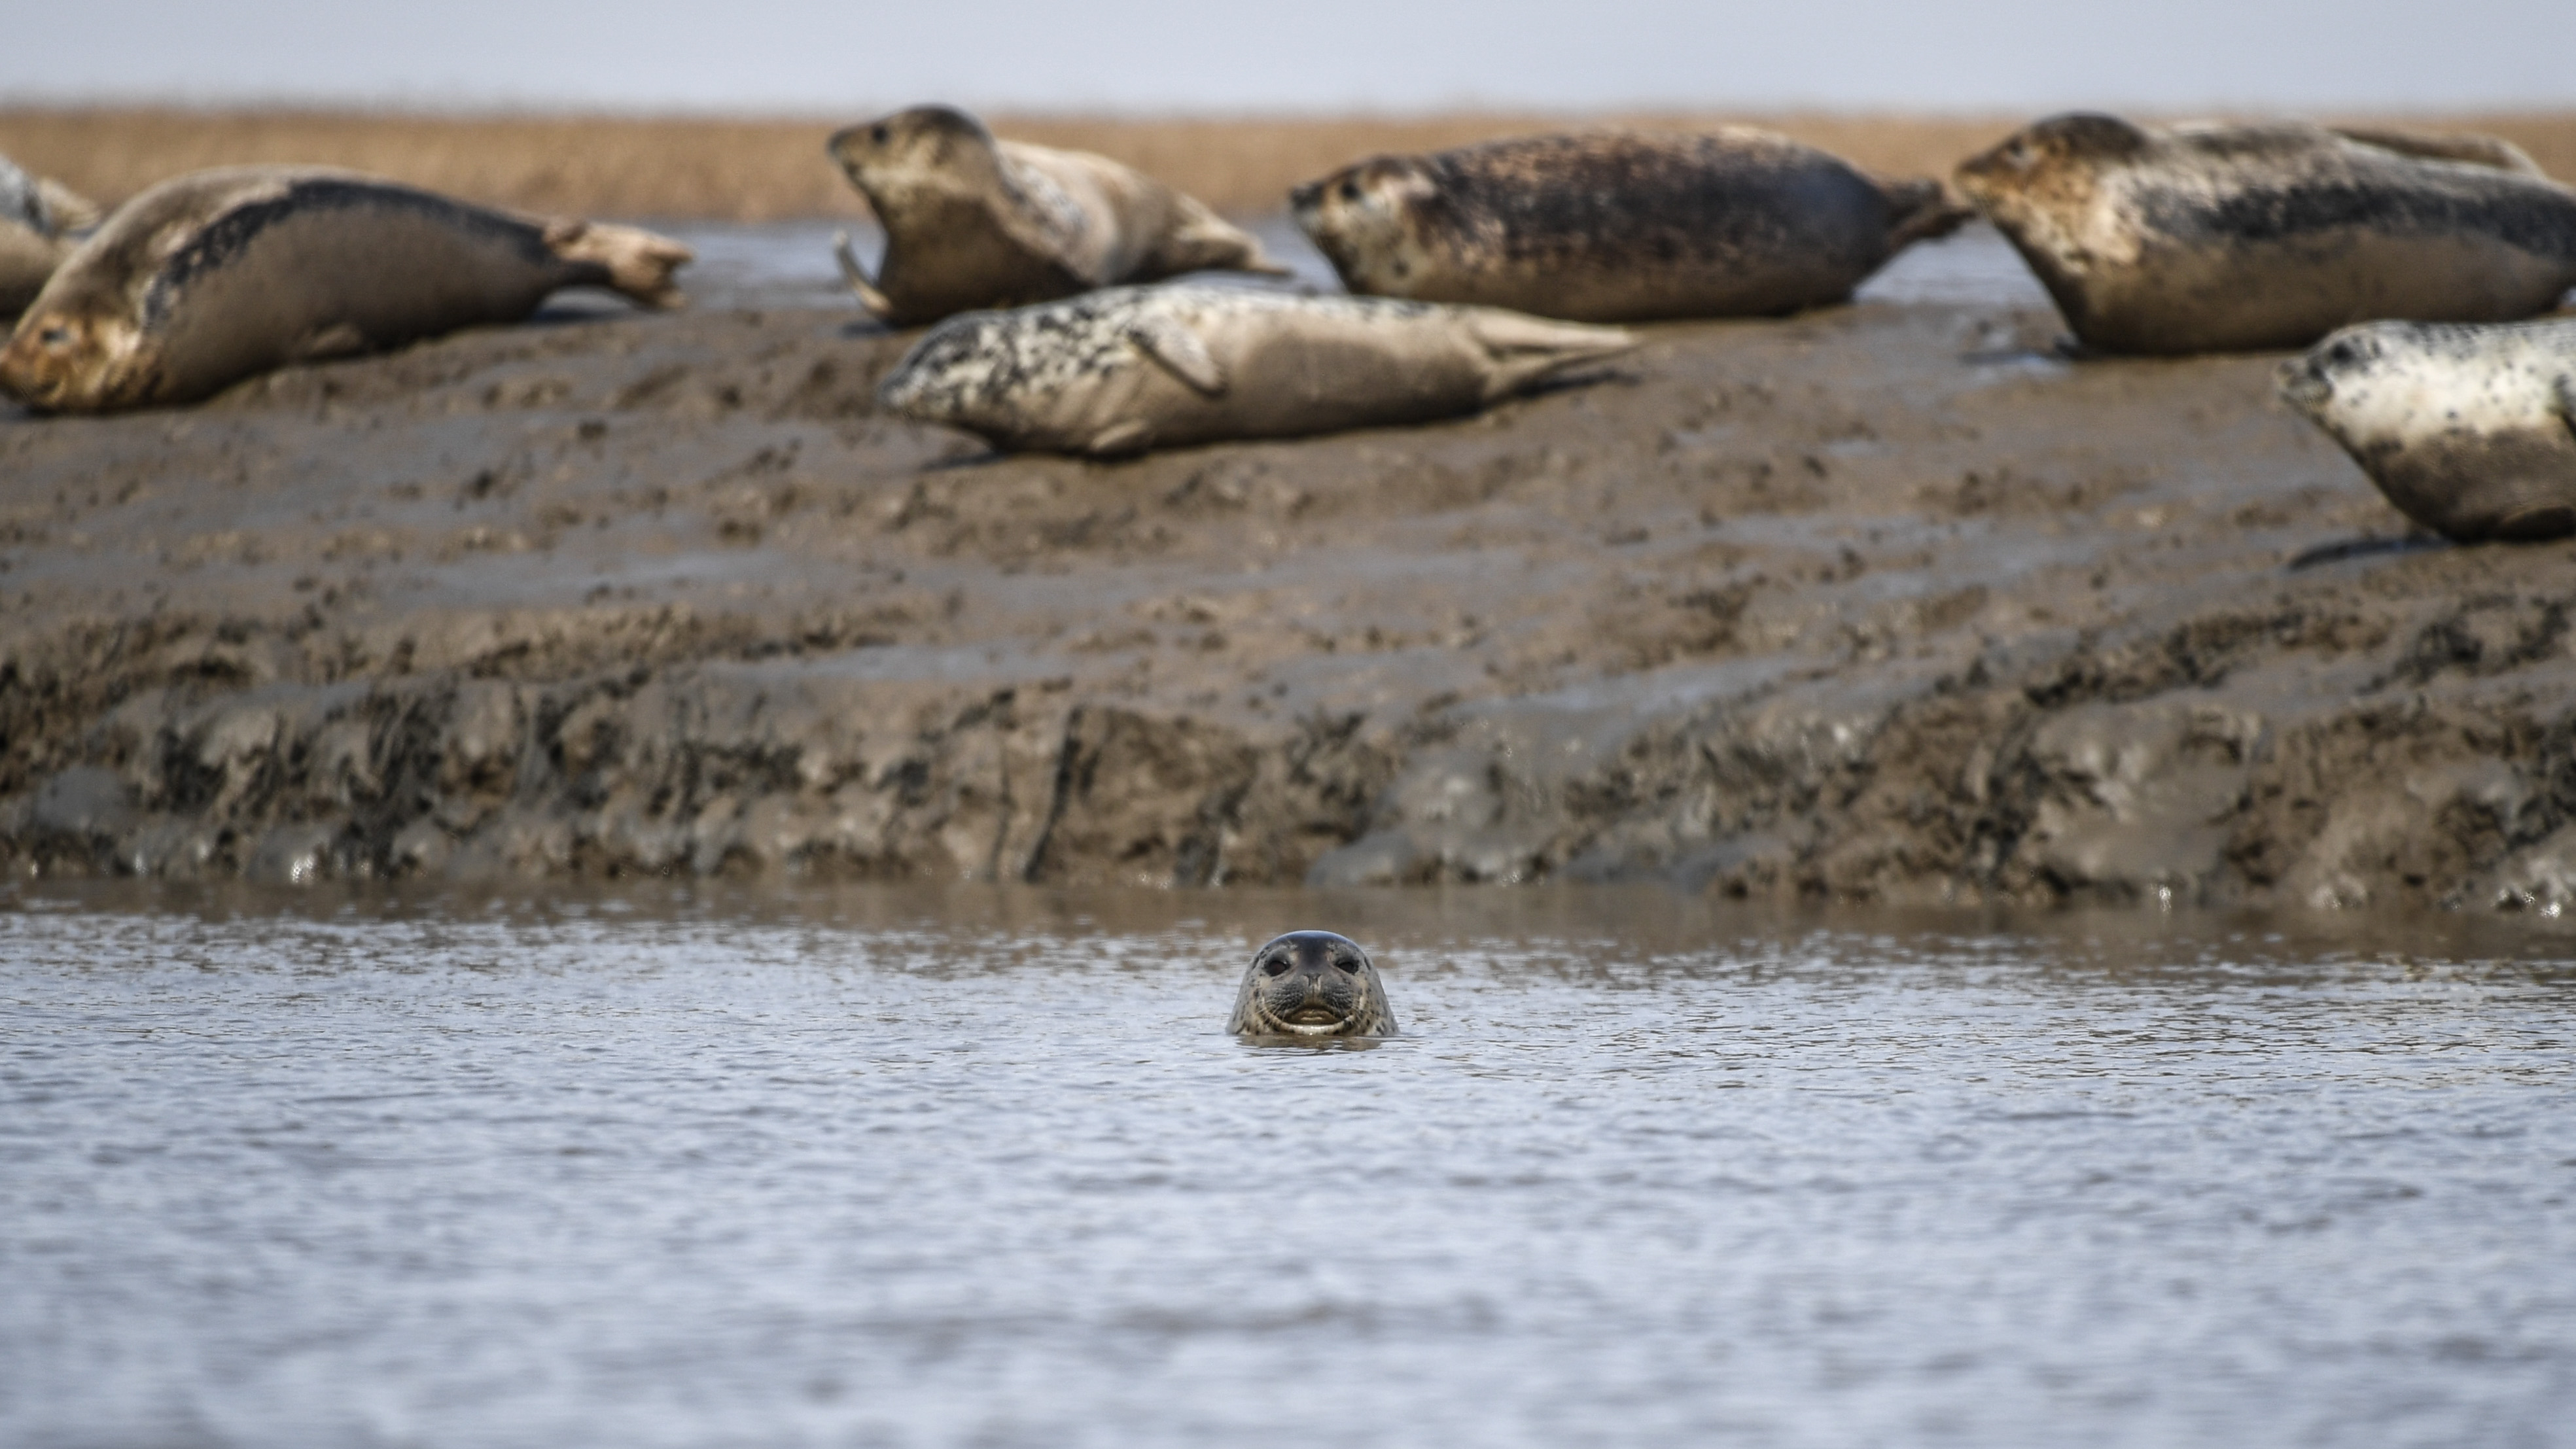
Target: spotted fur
1113,371
2216,238
2466,429
1617,226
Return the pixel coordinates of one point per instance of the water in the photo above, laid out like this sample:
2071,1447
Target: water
789,263
978,1168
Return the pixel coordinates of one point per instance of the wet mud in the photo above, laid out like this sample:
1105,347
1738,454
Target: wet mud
1890,601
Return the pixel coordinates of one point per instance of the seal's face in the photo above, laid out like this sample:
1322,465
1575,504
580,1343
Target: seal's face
1363,219
894,154
1311,984
57,360
2052,162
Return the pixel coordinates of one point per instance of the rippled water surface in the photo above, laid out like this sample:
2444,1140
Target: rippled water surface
979,1168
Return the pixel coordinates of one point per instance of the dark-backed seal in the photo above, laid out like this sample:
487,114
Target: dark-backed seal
2468,430
1617,226
213,277
35,216
1312,985
1131,368
972,221
2217,238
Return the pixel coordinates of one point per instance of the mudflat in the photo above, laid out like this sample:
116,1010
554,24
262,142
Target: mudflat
1894,600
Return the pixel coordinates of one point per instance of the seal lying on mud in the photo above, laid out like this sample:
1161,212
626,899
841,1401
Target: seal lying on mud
1618,226
1131,368
2214,238
216,276
1311,984
34,215
971,221
2469,431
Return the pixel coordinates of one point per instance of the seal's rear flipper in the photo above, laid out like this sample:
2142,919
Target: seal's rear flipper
2470,150
1920,211
1529,350
855,277
638,263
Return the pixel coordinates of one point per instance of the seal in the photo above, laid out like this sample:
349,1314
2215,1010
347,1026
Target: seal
1618,226
1312,985
972,221
216,276
2468,430
2210,238
35,217
1130,368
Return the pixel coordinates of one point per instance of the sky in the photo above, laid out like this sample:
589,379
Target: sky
1168,56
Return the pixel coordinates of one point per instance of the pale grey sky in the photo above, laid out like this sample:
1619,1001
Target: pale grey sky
842,56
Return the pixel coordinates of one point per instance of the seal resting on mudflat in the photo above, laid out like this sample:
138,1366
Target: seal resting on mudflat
34,216
2211,238
1131,368
972,221
2468,430
216,276
1618,226
1311,985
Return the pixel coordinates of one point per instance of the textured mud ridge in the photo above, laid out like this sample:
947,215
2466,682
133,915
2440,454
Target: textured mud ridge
1884,602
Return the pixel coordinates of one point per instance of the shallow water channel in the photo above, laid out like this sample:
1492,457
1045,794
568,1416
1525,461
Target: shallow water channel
697,1167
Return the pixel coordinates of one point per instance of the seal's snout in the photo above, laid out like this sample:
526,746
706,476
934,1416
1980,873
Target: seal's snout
2303,385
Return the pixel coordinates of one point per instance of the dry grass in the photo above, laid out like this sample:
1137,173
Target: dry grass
765,169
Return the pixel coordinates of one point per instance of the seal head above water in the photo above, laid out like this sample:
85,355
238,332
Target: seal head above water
1618,226
220,275
974,221
1312,985
1131,368
2207,238
2468,430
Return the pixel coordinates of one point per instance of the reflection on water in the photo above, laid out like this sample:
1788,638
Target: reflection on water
978,1167
782,264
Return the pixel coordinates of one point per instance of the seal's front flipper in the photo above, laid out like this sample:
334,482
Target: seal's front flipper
856,278
1180,352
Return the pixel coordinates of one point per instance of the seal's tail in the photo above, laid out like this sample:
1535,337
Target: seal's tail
638,263
1920,211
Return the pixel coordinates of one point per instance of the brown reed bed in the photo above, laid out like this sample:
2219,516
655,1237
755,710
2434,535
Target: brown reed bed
763,169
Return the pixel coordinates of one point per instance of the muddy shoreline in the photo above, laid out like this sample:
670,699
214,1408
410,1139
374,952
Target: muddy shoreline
1891,601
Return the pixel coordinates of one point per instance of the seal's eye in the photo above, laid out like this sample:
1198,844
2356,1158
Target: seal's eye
1350,191
1348,964
877,134
55,336
1275,966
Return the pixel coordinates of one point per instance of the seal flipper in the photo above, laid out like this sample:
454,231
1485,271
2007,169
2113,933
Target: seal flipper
855,278
1527,350
1920,211
1180,352
639,264
2468,149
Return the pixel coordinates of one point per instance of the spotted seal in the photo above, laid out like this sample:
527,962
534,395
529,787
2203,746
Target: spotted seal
2209,238
219,275
2469,430
1130,368
35,217
1618,226
1312,985
972,221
